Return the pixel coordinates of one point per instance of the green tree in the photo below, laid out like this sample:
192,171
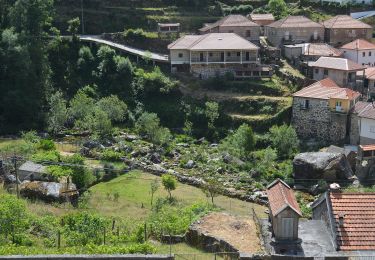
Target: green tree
149,124
13,215
212,189
170,183
97,123
114,107
81,105
285,140
58,113
241,142
278,8
154,186
212,113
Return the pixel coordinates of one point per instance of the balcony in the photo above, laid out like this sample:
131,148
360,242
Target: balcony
198,60
233,57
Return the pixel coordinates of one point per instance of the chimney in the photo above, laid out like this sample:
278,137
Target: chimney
341,219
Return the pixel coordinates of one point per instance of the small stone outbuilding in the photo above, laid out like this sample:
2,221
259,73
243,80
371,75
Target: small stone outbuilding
284,211
32,171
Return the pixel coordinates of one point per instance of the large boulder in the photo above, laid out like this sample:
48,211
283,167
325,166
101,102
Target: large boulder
322,165
49,191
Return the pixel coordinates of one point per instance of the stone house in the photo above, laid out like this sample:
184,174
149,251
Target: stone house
284,211
235,23
342,2
216,54
292,30
32,171
342,29
342,71
362,126
349,219
360,51
321,111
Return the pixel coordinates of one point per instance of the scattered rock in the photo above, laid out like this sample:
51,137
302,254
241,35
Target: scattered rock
200,140
155,158
227,158
91,144
131,138
185,145
220,170
254,173
190,164
214,145
322,165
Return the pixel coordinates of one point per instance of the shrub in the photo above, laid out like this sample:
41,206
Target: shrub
111,156
46,156
57,171
46,145
285,140
81,176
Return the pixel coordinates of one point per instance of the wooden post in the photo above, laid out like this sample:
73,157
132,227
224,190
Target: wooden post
58,239
113,224
145,231
104,233
16,173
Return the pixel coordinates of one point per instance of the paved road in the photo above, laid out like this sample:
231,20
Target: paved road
142,53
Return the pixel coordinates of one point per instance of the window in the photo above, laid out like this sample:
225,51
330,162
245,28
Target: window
210,54
248,33
363,54
247,56
238,54
369,53
325,72
228,54
338,103
316,71
201,56
180,55
306,104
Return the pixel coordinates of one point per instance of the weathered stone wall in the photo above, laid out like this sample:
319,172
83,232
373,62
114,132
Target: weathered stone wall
354,129
205,71
338,37
318,122
298,35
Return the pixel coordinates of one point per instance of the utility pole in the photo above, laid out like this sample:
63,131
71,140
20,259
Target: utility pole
83,24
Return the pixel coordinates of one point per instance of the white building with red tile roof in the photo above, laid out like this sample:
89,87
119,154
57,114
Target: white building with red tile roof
342,71
284,211
360,51
362,129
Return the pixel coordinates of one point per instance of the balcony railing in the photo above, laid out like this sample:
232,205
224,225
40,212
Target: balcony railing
198,60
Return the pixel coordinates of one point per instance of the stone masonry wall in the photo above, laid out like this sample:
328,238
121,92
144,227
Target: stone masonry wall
318,122
354,129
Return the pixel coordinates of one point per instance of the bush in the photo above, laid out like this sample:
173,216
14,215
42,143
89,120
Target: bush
149,124
81,176
46,156
285,140
57,171
46,145
111,156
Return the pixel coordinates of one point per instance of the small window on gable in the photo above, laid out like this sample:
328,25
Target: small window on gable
180,55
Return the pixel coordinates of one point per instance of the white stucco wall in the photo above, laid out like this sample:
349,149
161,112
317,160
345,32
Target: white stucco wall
365,57
367,128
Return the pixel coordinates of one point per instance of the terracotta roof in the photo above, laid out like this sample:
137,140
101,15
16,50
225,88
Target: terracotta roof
230,20
257,17
320,49
295,22
370,73
365,110
326,89
345,22
358,212
280,197
369,147
337,64
359,44
213,41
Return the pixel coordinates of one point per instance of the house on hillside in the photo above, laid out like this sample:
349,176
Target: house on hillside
310,51
342,71
349,218
360,51
292,30
284,211
216,54
343,2
362,126
234,23
169,28
342,29
321,111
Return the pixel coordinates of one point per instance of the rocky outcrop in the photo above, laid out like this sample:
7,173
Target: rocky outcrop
322,165
49,191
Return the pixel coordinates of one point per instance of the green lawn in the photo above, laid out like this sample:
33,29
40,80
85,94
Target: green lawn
134,199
